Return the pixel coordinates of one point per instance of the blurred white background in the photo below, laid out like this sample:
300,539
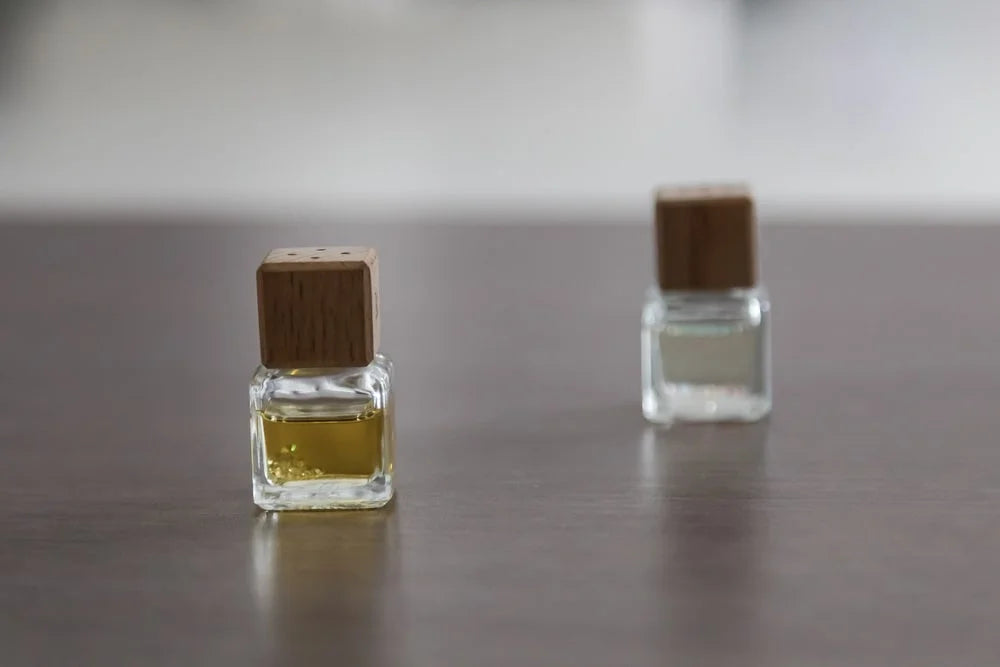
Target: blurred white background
833,110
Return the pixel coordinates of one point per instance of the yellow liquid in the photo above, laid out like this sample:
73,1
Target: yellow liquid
299,450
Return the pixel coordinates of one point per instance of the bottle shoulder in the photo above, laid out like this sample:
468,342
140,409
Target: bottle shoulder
757,292
315,391
380,368
384,363
746,303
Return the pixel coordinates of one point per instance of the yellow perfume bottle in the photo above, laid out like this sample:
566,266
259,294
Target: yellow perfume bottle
321,422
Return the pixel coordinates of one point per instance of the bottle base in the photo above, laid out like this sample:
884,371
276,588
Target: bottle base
704,403
325,494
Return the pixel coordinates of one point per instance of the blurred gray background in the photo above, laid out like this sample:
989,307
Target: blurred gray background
834,111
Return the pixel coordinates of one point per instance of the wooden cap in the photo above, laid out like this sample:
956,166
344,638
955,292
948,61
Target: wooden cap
705,238
318,307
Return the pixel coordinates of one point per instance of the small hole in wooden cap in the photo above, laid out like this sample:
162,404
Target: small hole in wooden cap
314,257
292,254
320,249
345,253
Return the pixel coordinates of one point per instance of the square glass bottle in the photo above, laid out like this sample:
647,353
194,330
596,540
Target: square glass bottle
321,408
706,323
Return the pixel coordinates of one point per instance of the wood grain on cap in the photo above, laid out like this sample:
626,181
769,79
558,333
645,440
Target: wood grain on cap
318,307
705,238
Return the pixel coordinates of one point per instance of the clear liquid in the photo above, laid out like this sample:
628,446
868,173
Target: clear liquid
712,353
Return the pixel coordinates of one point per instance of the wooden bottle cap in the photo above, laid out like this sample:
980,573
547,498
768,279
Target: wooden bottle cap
705,238
318,307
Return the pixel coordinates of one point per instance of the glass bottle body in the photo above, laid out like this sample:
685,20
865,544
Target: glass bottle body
706,355
322,438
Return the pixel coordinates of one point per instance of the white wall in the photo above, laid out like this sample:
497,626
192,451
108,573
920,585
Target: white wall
858,105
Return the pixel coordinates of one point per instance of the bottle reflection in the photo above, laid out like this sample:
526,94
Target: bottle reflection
710,480
321,582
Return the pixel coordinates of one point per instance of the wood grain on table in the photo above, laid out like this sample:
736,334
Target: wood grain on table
539,520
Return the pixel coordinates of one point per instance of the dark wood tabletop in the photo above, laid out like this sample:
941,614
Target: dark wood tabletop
539,520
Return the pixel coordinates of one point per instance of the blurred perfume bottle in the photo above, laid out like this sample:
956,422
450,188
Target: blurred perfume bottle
706,323
321,419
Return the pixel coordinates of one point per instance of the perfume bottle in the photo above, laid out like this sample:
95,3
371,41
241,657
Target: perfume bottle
706,323
321,407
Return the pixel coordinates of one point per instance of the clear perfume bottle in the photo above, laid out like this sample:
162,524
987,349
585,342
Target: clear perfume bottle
321,407
706,323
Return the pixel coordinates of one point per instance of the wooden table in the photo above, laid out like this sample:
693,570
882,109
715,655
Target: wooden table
539,520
